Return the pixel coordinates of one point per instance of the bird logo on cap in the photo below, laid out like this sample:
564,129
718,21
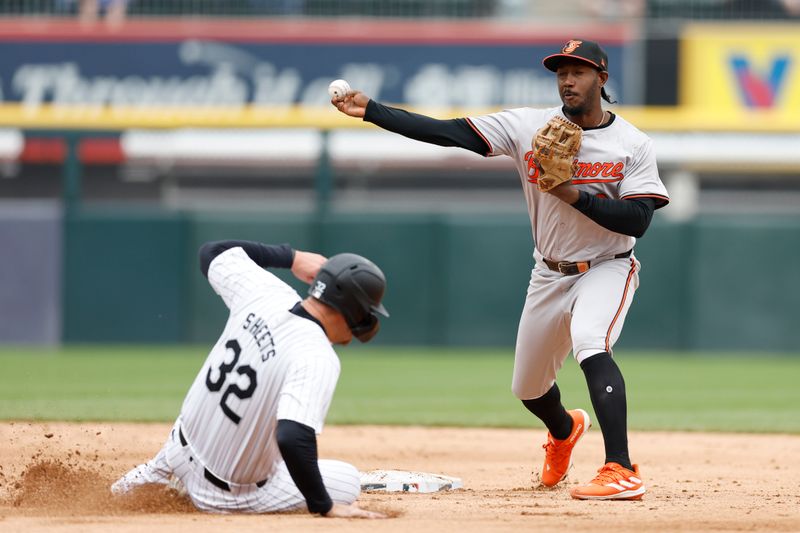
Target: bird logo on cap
571,46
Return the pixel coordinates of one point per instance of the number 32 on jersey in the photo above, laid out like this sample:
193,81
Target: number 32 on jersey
232,388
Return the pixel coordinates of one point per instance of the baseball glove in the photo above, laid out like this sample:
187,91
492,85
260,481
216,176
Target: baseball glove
554,149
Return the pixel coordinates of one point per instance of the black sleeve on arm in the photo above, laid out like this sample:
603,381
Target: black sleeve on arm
452,132
298,445
264,255
628,217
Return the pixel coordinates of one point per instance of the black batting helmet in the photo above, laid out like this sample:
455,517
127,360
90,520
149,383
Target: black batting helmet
353,285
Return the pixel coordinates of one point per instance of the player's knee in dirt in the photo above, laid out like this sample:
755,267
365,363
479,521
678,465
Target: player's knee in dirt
342,480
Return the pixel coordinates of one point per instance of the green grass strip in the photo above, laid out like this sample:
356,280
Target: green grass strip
416,386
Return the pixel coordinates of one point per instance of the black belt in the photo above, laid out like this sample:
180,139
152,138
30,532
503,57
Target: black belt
214,480
578,267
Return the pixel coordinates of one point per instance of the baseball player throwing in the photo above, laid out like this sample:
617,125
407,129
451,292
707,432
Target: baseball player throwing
245,440
591,185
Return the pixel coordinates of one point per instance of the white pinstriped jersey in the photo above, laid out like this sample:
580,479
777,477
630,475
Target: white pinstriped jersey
268,364
615,161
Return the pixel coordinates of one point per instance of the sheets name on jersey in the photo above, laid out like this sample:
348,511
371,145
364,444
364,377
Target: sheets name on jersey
258,328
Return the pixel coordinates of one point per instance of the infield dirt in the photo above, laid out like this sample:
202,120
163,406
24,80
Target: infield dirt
54,477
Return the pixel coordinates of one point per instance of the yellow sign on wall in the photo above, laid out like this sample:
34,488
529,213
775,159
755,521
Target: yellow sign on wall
731,68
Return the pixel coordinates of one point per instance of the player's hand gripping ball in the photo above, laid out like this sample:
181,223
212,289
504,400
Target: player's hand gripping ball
338,88
554,149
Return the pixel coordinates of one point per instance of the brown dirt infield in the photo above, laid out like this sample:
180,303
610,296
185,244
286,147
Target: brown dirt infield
54,477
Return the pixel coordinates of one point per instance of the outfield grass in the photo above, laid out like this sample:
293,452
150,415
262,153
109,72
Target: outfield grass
719,392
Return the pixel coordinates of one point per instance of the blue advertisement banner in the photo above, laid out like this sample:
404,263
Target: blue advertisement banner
207,72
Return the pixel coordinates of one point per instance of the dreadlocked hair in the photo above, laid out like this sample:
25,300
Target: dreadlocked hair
604,96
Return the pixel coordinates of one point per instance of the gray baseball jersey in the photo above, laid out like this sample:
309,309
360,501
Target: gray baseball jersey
616,161
582,313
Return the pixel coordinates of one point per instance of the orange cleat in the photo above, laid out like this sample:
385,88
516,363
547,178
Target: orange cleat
613,482
558,453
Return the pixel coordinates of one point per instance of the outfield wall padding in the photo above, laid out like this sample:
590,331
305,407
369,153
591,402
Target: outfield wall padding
125,277
30,272
453,279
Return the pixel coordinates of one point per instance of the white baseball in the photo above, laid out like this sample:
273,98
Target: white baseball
338,88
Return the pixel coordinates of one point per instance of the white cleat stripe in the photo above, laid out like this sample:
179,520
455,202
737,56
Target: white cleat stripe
635,479
619,496
627,484
615,486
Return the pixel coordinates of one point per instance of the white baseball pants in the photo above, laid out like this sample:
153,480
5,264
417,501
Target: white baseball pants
175,461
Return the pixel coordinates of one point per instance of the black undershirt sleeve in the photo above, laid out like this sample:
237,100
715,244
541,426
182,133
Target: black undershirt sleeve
264,255
451,132
298,445
628,217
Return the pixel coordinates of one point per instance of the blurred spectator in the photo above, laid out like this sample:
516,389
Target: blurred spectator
563,10
572,10
89,11
615,9
792,7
